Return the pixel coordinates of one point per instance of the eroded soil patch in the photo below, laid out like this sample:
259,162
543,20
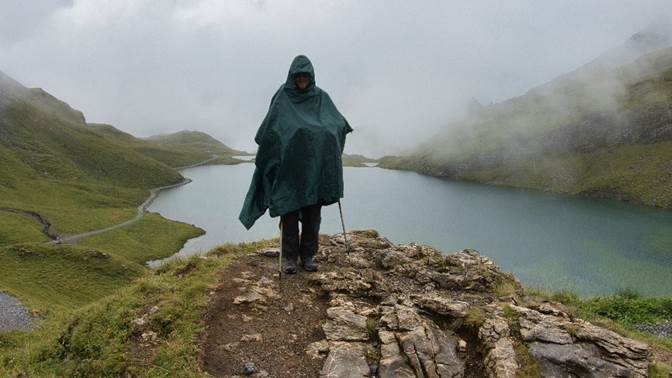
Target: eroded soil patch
257,318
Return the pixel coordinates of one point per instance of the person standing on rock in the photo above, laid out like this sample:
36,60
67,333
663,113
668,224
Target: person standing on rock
298,167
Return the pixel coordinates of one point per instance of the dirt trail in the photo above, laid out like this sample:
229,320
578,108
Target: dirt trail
142,209
272,329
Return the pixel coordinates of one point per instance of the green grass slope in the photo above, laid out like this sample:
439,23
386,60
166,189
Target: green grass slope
175,150
16,228
101,339
356,160
54,277
51,146
603,130
194,142
153,237
79,178
53,163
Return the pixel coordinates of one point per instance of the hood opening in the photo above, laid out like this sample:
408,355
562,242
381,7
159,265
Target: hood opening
300,64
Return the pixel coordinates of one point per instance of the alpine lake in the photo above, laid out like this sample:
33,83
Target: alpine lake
547,240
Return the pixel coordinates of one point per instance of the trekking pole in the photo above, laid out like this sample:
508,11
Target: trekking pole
280,254
345,238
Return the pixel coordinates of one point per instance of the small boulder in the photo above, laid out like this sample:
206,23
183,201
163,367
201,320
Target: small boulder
345,360
344,324
249,368
255,337
269,252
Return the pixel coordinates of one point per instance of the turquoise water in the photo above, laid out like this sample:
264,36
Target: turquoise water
548,240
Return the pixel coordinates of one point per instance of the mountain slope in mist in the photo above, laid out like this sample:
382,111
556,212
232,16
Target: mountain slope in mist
44,138
179,149
604,129
53,163
196,141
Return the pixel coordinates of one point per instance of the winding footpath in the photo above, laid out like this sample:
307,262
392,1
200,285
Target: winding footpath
142,209
15,316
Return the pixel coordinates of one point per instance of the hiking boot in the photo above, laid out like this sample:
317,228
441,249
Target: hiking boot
289,266
309,265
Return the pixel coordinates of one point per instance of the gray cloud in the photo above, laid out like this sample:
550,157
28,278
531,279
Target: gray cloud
18,19
398,70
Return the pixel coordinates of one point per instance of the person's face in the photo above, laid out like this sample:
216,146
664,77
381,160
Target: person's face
302,80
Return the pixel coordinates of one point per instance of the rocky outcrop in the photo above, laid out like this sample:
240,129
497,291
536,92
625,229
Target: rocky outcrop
345,325
412,311
500,356
565,346
413,343
345,360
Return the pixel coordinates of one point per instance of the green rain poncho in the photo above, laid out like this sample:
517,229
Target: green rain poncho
301,141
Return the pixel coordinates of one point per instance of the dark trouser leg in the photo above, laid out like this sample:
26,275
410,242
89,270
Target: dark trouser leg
310,230
290,235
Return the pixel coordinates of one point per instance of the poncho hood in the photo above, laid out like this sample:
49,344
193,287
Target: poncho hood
301,142
300,64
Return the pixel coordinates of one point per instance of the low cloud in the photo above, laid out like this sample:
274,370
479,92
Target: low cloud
397,70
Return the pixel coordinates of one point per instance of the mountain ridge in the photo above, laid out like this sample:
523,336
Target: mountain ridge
580,133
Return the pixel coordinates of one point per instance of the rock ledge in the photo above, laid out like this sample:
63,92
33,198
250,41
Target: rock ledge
412,311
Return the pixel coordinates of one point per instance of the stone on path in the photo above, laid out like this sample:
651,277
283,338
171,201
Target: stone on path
344,325
345,360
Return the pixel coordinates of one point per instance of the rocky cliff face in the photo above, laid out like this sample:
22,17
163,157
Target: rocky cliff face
411,311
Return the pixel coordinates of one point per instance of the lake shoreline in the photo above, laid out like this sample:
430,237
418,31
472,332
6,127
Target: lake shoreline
550,240
600,195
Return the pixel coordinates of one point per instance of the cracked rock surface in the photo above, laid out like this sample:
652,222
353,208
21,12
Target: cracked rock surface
428,314
389,310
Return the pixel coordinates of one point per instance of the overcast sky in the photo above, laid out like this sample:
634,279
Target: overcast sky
398,70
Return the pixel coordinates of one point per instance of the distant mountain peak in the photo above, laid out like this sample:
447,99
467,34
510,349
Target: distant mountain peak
12,91
192,137
9,89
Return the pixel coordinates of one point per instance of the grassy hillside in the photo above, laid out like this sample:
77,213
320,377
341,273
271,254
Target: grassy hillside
146,240
79,178
50,145
604,130
18,228
101,339
83,176
196,143
53,163
54,276
51,277
180,149
356,160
